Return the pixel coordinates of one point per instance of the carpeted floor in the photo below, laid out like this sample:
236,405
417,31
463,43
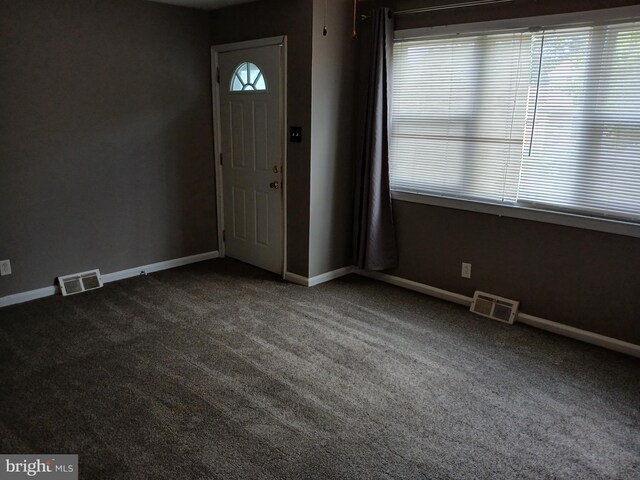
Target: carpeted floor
220,370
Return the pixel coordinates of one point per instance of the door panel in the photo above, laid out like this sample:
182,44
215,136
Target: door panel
251,124
236,133
261,135
262,218
239,215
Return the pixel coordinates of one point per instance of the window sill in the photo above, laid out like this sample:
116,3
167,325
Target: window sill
545,216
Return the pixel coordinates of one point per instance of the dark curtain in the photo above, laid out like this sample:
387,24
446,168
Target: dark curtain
374,233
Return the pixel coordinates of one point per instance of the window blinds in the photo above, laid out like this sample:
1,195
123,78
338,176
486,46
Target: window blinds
458,110
582,150
545,120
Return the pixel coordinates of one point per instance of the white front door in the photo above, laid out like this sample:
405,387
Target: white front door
251,143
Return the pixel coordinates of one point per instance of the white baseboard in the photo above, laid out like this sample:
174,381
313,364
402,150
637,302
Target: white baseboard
332,275
297,279
578,334
28,296
109,277
156,267
418,287
558,328
318,279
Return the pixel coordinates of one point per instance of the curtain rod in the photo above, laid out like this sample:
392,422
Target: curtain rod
448,6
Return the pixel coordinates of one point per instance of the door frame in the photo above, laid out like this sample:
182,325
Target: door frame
280,40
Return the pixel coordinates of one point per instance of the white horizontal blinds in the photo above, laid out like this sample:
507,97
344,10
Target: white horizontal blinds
582,148
458,114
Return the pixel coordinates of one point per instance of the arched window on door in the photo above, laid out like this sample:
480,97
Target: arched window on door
247,77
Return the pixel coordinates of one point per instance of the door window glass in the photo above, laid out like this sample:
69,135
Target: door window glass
247,77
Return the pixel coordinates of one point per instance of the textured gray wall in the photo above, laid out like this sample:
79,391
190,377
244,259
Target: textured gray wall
581,278
106,156
332,142
293,18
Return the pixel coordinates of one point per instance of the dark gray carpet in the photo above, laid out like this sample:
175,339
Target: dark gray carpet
219,370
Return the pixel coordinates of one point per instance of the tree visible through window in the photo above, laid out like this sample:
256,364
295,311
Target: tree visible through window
247,77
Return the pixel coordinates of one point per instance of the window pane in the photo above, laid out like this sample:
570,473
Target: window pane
236,84
585,142
458,114
546,120
260,85
253,72
247,77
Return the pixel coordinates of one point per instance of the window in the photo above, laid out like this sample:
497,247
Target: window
247,77
548,120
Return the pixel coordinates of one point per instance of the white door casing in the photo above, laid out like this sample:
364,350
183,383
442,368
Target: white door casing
250,145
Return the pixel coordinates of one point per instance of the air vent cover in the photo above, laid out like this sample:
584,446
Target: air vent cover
492,306
80,282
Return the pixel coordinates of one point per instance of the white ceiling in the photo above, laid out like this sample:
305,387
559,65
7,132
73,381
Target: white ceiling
204,4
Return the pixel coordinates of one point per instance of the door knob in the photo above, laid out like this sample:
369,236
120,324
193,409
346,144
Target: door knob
275,185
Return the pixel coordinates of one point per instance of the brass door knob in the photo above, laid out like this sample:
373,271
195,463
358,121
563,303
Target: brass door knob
275,185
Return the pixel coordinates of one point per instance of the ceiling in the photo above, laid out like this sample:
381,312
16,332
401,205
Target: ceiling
204,4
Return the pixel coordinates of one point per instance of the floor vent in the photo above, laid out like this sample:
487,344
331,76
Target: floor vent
80,282
492,306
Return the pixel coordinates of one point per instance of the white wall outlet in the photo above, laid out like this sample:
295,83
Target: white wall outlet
466,270
5,268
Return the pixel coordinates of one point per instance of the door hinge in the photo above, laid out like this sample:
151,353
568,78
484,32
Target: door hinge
218,74
224,235
221,161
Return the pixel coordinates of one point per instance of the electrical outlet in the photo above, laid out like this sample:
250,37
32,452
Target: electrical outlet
466,270
5,268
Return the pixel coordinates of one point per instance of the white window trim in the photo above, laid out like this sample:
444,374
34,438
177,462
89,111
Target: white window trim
618,227
525,213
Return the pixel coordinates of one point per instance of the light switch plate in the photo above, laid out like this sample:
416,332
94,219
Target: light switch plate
5,268
466,270
295,134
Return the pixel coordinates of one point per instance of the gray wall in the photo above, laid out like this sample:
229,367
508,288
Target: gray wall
581,278
293,18
106,157
578,277
332,141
